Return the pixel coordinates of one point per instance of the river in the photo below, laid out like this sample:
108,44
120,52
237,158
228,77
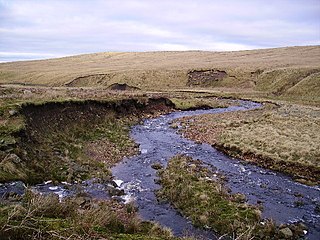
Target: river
159,142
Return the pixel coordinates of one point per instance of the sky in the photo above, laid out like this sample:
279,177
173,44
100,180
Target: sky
38,29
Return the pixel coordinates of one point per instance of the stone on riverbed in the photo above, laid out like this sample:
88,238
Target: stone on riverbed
286,233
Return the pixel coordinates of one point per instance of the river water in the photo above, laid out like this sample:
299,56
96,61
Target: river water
158,142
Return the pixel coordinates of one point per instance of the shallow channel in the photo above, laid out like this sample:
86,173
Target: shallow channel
158,143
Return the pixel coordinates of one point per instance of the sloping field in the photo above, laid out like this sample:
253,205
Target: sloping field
285,72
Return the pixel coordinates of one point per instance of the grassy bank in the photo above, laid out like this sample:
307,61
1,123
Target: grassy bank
199,193
191,103
284,138
45,217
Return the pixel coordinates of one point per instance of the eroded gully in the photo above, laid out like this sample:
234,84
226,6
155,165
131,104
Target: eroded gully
158,143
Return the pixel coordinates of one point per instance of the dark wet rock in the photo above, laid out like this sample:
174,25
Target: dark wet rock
157,166
298,203
157,181
115,192
259,202
296,194
317,208
263,185
116,183
113,184
286,233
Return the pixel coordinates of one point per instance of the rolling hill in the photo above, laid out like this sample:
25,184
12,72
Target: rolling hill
289,72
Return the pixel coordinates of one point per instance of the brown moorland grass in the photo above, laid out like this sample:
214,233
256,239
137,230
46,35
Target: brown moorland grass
290,73
45,217
284,138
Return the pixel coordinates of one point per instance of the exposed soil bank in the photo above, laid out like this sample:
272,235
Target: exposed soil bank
122,87
301,173
57,137
205,77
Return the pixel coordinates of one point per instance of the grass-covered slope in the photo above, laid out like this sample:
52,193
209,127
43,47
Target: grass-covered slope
164,70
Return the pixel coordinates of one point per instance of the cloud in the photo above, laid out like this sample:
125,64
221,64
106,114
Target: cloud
57,27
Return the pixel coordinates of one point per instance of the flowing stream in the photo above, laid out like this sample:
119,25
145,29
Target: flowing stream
283,200
158,143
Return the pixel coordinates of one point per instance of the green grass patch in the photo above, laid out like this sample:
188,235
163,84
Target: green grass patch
200,194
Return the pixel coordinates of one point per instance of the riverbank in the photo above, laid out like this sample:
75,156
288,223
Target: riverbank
71,140
281,137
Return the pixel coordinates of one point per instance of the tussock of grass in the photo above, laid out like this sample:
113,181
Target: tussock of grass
45,217
199,193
